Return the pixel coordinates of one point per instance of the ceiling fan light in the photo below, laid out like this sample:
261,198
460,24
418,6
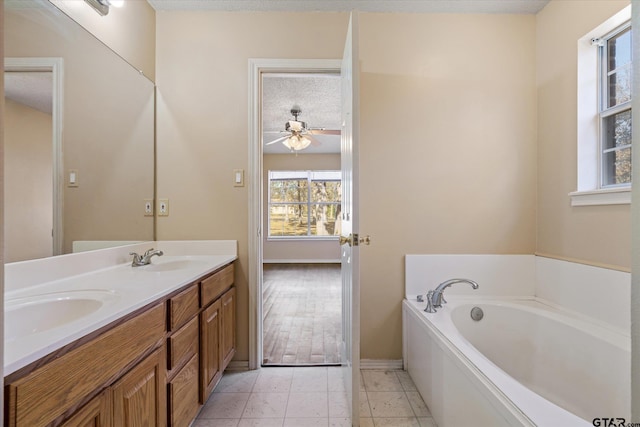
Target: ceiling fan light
297,143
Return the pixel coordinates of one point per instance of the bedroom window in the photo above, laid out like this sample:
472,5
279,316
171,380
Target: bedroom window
604,113
615,61
304,204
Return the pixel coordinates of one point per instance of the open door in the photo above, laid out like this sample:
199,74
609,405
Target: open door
349,221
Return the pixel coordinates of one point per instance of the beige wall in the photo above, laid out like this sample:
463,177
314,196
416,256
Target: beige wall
202,64
328,250
129,30
423,101
28,194
596,234
108,128
448,148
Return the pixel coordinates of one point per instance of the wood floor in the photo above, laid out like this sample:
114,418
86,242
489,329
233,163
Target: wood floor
302,314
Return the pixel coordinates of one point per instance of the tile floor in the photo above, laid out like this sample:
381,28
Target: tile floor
312,397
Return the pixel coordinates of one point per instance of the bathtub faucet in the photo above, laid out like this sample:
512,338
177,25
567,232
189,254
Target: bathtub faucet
435,297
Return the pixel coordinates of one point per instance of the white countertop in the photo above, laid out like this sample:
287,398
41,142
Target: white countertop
117,289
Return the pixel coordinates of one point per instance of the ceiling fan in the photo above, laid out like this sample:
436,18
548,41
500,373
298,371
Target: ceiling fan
298,135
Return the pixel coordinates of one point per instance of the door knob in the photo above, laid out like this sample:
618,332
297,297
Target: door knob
355,240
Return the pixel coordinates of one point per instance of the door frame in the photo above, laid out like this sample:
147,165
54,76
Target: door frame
256,68
56,67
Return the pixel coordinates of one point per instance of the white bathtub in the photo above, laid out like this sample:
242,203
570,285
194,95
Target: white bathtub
524,363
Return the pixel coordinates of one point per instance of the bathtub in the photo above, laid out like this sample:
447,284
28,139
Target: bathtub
525,363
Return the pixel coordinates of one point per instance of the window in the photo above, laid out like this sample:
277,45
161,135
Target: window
304,204
615,106
604,113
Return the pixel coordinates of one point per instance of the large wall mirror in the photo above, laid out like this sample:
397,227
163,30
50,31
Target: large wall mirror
79,138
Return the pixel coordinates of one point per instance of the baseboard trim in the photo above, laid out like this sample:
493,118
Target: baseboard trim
238,365
301,261
377,364
381,364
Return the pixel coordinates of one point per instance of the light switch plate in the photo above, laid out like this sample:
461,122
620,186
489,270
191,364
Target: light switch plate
148,207
238,177
72,178
163,207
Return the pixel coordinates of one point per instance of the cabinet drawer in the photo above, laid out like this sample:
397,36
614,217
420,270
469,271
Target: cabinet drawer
183,344
49,391
183,307
183,395
215,285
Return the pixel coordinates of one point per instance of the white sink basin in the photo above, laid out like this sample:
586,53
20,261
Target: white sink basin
172,265
37,313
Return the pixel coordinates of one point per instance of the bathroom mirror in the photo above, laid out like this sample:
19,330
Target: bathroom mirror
105,168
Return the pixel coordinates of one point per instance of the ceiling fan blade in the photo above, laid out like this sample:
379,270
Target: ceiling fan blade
324,131
277,140
314,141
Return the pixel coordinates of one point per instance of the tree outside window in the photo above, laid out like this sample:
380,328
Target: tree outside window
304,204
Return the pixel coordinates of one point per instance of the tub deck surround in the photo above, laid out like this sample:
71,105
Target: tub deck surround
530,361
599,294
506,275
105,276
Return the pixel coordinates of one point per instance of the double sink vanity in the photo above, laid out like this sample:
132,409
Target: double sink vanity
91,340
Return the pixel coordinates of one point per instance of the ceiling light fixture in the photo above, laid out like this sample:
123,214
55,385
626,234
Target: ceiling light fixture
102,6
297,142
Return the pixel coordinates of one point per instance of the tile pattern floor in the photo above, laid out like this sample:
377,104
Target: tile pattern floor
312,397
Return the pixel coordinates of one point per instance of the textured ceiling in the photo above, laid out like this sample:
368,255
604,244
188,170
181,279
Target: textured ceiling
31,88
409,6
317,95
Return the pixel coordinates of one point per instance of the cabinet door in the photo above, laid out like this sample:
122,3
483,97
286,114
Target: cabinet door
139,397
96,413
210,360
228,342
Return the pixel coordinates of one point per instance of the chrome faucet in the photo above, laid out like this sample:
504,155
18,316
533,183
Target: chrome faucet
435,297
144,259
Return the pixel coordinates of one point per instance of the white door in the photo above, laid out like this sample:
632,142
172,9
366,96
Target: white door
349,221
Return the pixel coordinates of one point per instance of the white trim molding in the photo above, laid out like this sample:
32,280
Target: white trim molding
257,66
301,261
589,191
613,196
382,364
56,66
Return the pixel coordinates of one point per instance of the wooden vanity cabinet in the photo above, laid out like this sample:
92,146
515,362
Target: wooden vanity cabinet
55,388
210,350
200,344
96,413
183,395
228,326
139,397
217,328
151,368
183,400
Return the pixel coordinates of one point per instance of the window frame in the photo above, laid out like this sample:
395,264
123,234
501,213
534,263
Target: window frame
308,203
588,191
604,111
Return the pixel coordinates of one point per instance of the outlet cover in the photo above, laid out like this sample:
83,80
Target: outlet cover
163,207
148,207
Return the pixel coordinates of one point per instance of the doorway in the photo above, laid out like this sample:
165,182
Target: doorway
33,157
301,285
